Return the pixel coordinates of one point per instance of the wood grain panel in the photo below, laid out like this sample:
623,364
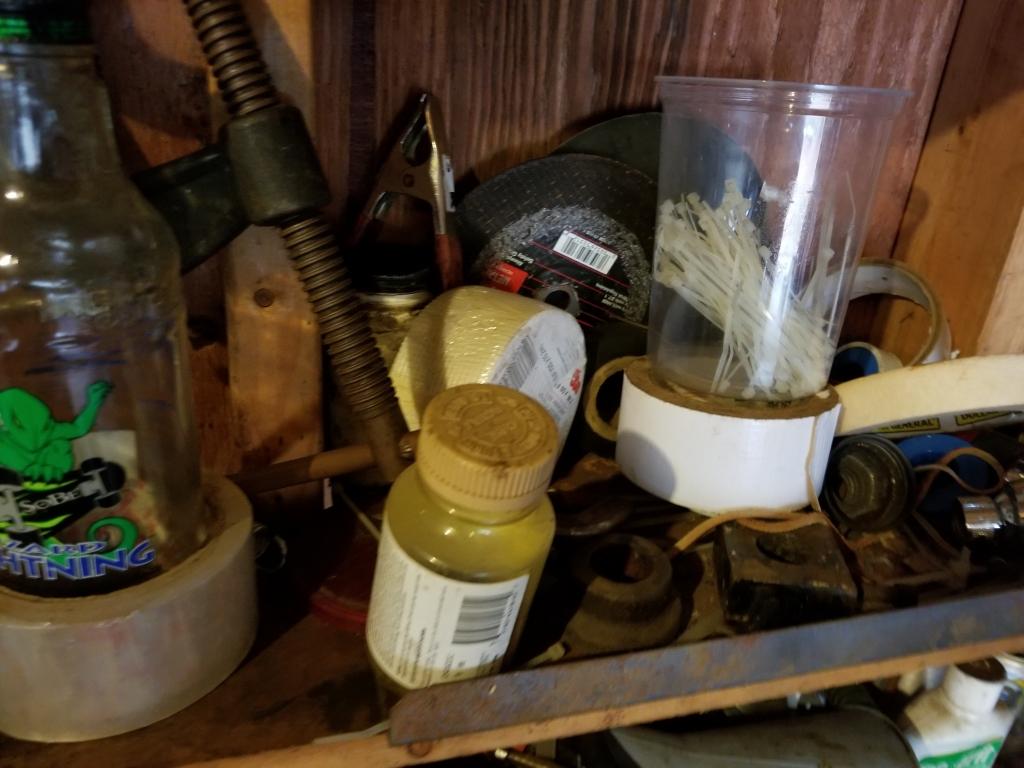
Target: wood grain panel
332,55
967,199
879,43
516,78
1003,332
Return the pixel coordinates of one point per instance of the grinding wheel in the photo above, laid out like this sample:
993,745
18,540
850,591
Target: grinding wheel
636,141
576,231
631,139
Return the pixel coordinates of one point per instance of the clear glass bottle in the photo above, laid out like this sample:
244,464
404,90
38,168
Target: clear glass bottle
99,480
467,529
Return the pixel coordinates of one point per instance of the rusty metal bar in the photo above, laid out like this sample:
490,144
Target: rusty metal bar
856,649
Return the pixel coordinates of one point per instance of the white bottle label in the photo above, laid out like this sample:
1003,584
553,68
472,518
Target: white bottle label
546,362
424,628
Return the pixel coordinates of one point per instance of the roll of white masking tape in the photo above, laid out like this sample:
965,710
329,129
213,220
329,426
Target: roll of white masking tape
947,396
713,456
892,278
89,667
486,336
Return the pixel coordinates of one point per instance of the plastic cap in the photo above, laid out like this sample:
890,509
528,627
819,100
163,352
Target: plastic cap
487,448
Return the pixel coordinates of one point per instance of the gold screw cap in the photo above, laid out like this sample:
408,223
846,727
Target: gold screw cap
487,447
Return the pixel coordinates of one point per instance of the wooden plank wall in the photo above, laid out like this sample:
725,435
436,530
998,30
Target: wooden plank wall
966,207
515,78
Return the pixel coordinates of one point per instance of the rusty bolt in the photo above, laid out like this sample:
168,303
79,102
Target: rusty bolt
263,297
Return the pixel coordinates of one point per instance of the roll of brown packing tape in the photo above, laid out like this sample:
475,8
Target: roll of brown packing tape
90,667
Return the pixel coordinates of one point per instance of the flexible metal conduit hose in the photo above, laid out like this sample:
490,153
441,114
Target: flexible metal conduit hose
358,369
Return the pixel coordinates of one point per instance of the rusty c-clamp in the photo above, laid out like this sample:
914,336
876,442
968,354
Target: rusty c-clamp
429,180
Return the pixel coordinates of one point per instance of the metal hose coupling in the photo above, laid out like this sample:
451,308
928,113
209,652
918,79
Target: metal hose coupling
281,184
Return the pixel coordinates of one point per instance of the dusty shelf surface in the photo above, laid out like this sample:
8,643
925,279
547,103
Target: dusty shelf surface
311,681
306,680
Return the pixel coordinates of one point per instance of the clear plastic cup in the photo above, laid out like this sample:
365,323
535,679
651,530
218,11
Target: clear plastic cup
765,190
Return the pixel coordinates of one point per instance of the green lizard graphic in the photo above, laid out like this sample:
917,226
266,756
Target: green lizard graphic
36,446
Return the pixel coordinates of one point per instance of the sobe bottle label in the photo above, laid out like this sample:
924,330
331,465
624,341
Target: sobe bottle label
64,489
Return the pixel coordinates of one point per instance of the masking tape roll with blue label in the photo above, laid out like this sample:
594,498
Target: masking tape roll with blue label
949,396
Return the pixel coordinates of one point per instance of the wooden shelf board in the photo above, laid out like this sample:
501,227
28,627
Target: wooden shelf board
310,681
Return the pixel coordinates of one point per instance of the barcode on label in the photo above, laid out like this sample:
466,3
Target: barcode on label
584,252
481,618
521,365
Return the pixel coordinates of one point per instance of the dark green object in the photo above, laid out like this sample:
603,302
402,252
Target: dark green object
45,22
710,154
198,197
276,169
869,484
634,140
33,443
264,171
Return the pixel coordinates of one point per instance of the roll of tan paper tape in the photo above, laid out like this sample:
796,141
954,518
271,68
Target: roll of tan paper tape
88,667
950,396
486,336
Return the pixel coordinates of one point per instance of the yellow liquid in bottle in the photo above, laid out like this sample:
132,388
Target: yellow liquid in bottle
454,579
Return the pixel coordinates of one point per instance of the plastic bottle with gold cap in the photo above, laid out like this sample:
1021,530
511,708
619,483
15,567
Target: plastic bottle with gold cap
466,532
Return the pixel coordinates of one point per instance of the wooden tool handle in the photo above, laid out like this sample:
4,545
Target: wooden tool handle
448,253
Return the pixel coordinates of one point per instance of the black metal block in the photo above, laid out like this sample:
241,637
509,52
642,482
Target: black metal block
769,580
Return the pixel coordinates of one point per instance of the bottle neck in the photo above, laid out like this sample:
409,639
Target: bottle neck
55,123
479,517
